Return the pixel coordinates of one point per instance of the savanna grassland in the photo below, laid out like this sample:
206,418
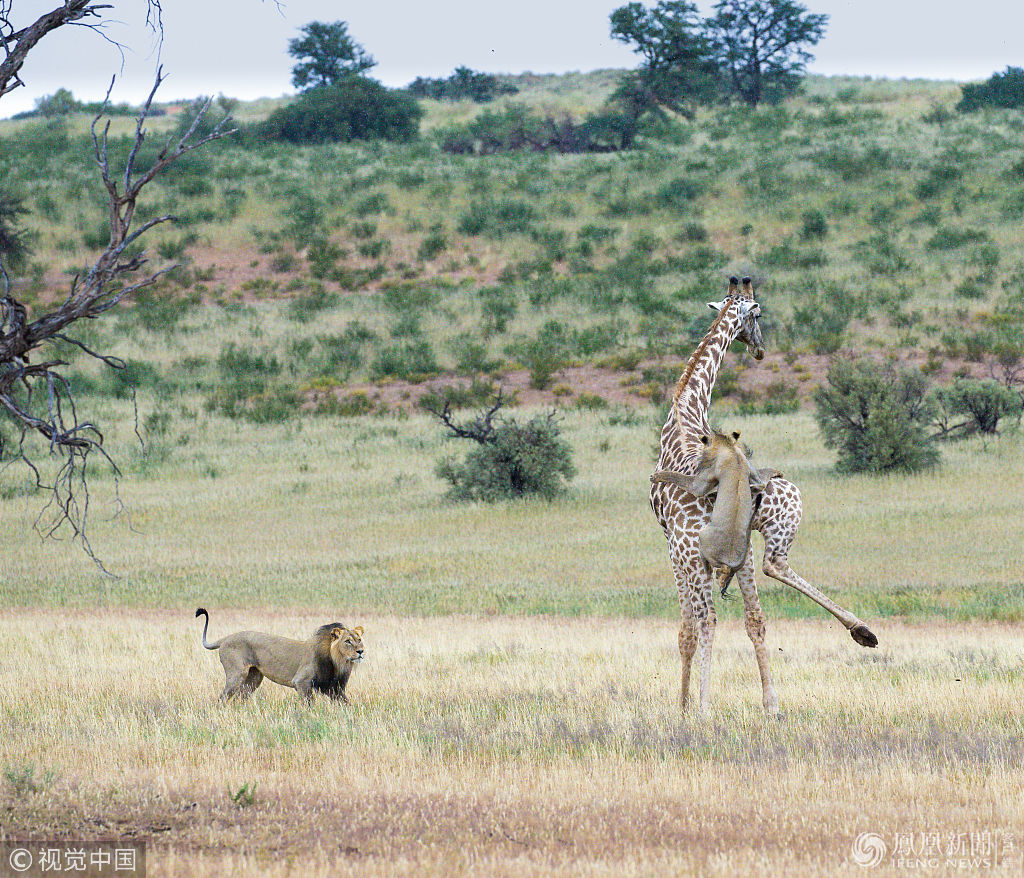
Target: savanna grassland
518,709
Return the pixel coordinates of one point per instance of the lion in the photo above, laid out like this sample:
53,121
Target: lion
724,470
323,663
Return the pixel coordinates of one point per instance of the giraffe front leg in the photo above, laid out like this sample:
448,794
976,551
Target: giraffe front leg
687,634
704,612
687,648
754,621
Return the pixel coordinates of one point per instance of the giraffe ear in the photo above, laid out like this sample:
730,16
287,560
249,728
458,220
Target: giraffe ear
715,306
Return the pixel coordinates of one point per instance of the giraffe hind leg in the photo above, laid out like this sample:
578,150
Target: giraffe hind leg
778,568
755,623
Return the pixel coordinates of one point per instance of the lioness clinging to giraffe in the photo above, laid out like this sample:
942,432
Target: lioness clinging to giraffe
776,513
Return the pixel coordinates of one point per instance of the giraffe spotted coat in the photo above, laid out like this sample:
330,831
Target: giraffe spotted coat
681,515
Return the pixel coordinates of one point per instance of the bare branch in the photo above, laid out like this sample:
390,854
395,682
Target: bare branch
36,395
480,429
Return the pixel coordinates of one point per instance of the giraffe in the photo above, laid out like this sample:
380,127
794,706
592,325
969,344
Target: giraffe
777,513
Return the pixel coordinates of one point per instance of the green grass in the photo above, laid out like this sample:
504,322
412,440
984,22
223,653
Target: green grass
330,512
855,154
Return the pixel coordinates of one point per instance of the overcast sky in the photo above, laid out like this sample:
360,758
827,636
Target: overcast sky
239,47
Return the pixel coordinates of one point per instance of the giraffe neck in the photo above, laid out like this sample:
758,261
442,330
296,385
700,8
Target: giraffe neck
693,392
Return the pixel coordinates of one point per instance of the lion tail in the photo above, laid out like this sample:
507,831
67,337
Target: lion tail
206,625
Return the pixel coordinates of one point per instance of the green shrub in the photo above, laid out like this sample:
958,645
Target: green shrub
695,233
432,245
946,238
597,234
411,360
875,416
323,256
341,354
512,460
543,354
374,249
814,225
355,108
240,364
1004,90
938,179
497,218
458,396
591,401
463,84
353,405
678,193
471,355
779,398
305,306
980,403
498,308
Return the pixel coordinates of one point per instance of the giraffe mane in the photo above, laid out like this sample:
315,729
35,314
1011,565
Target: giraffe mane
691,364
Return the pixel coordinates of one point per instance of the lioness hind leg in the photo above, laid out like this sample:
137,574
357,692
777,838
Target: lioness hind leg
242,685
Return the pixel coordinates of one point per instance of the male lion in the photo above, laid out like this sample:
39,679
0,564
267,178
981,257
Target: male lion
321,664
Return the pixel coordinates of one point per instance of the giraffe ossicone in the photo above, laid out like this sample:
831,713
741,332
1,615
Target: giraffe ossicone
776,508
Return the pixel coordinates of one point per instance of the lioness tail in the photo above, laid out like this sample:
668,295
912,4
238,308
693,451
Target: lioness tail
206,625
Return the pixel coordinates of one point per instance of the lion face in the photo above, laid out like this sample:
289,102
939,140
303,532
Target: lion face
347,645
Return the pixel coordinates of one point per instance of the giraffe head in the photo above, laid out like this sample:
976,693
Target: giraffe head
748,311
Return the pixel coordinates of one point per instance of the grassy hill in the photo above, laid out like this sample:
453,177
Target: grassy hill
872,216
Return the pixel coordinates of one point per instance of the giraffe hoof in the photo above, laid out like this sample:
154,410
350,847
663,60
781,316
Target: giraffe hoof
862,634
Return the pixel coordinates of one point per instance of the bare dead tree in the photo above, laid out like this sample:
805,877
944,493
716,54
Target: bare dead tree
34,393
17,42
481,429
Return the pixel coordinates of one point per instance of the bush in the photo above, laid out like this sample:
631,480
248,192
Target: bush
356,108
432,246
412,361
463,84
497,218
512,460
341,354
779,398
498,308
544,354
517,127
875,416
1005,90
814,225
982,403
305,306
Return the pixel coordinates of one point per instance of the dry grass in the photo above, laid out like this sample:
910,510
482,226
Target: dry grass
501,746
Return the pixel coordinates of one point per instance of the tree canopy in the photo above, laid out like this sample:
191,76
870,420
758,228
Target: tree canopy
326,54
752,49
761,46
678,69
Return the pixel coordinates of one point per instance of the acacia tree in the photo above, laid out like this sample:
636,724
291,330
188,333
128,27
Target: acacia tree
762,45
326,54
678,70
34,393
